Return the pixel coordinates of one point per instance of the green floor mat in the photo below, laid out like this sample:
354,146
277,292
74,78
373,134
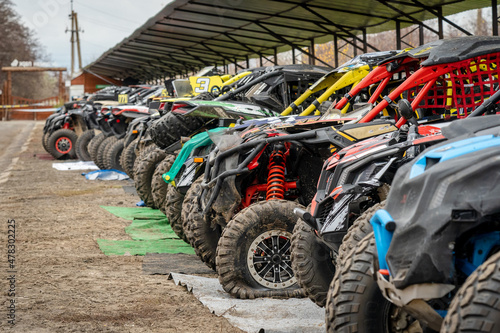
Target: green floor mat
133,248
150,233
150,229
135,213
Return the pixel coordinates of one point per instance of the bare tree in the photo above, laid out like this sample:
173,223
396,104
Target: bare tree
18,42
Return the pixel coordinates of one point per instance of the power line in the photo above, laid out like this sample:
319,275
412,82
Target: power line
104,23
92,43
108,14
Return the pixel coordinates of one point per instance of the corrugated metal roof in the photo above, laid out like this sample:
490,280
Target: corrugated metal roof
187,34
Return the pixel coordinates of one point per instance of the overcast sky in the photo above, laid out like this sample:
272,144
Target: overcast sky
105,23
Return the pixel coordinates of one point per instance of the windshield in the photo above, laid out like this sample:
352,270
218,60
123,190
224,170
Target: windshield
356,114
365,59
182,88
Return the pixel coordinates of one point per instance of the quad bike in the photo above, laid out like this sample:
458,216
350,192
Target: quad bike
433,252
263,87
332,83
349,74
63,128
259,94
119,120
343,194
137,137
147,146
337,138
267,165
423,94
137,133
90,113
352,180
113,121
202,85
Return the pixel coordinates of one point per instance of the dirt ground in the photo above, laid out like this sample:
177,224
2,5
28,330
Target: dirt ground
63,283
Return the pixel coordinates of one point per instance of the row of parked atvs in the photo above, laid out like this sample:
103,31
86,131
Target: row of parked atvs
393,154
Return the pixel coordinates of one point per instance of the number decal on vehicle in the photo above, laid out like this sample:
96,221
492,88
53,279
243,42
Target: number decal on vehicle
123,98
204,83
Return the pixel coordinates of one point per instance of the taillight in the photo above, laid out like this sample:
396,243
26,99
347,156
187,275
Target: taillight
162,105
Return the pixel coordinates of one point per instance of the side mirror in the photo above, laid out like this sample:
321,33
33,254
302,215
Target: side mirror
406,111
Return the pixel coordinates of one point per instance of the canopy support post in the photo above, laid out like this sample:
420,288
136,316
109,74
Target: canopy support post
336,47
494,17
398,35
312,58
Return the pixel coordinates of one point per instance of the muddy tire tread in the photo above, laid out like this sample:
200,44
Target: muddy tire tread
127,158
145,167
53,138
476,306
231,277
113,154
169,128
94,145
172,209
82,145
159,187
101,151
313,275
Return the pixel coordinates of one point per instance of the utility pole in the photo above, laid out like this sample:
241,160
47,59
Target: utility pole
75,37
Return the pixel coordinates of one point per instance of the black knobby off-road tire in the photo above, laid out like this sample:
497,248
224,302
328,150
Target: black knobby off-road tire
140,153
45,141
145,166
171,127
250,226
355,303
158,186
113,154
127,158
94,145
144,146
312,263
101,151
190,205
82,145
359,229
476,306
61,144
172,209
201,235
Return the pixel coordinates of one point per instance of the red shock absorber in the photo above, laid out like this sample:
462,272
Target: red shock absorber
276,176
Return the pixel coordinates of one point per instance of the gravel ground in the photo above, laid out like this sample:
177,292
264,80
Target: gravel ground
63,283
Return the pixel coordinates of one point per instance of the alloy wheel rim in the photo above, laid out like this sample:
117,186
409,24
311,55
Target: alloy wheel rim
269,260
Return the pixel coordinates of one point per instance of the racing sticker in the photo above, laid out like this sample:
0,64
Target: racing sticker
202,84
123,98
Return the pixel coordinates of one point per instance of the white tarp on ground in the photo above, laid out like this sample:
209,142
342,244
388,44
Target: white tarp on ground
80,165
110,174
255,315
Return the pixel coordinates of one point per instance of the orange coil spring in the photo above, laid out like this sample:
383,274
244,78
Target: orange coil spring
276,176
